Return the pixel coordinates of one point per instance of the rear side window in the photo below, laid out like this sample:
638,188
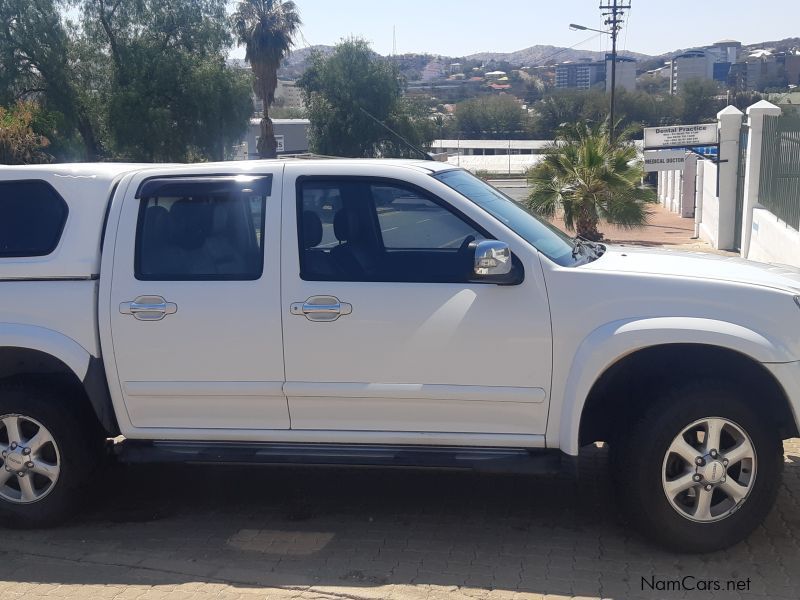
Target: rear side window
32,218
202,231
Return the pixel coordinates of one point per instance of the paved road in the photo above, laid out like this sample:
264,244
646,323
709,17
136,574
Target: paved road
412,227
182,533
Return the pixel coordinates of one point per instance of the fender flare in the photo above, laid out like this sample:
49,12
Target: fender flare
612,342
48,341
87,369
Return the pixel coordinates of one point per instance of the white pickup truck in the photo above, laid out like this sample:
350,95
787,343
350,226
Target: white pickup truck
378,313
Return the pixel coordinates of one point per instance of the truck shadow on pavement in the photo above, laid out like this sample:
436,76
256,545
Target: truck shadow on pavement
374,533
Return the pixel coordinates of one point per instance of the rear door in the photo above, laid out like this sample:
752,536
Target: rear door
195,301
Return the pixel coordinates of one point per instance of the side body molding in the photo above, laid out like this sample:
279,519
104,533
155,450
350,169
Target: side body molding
613,341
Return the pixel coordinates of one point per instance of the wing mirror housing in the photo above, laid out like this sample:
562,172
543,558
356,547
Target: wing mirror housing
494,263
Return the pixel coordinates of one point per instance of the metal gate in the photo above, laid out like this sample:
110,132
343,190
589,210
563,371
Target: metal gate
740,170
779,189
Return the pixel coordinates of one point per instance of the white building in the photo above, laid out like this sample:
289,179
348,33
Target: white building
290,94
694,64
498,157
626,73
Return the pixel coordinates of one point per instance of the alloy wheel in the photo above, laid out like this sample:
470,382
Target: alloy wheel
709,469
30,463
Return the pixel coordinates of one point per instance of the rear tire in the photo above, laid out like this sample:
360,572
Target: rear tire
48,454
679,489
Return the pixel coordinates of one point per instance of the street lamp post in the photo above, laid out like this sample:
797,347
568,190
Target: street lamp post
614,13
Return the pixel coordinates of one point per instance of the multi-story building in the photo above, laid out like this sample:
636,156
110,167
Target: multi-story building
582,75
290,94
626,73
694,64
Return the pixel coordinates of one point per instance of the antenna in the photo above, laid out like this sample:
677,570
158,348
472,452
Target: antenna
425,155
394,40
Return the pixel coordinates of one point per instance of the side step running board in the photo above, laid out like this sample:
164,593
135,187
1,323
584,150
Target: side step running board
497,460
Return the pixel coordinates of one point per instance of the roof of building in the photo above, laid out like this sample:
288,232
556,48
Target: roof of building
256,121
492,144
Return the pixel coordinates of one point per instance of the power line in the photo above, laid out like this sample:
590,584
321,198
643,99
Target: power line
613,10
541,61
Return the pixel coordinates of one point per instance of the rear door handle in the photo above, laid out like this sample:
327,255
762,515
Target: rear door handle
321,308
148,308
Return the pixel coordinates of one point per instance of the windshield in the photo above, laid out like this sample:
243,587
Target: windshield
549,240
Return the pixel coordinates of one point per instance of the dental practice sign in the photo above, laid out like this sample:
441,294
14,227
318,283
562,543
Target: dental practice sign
680,136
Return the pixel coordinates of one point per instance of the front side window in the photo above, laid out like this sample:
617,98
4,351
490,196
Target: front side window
546,238
362,229
201,231
32,218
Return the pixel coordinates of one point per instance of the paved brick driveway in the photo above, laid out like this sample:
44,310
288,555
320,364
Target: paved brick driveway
180,533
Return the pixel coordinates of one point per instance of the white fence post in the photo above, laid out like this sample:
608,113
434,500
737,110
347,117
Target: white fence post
687,191
752,173
698,195
730,127
670,175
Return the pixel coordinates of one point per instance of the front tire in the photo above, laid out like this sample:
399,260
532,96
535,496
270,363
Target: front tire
700,470
47,453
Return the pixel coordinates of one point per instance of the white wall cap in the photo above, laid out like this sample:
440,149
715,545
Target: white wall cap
730,111
763,107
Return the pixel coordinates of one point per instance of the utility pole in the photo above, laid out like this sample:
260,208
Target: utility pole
613,10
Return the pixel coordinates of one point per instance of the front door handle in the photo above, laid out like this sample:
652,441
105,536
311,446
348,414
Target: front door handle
321,308
148,308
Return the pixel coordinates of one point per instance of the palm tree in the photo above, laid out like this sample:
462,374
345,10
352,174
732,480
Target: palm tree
590,178
266,28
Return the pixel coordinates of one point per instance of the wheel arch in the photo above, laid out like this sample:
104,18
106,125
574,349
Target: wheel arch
619,353
29,351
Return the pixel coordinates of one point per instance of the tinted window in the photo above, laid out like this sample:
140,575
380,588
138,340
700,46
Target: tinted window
371,230
410,221
32,217
208,232
546,238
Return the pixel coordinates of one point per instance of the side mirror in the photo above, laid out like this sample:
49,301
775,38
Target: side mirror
494,263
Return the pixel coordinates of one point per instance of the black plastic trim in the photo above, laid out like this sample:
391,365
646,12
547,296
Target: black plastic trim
498,460
96,386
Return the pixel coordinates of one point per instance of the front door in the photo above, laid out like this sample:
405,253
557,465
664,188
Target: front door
383,331
195,302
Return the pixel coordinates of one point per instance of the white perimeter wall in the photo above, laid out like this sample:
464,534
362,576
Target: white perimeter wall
709,227
772,240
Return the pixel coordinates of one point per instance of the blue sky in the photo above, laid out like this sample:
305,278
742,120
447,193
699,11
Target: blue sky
459,27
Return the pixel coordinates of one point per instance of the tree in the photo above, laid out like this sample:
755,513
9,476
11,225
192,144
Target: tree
266,28
19,144
491,117
591,179
700,102
40,60
143,80
355,103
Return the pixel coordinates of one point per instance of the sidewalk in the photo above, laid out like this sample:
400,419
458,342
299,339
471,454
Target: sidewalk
664,228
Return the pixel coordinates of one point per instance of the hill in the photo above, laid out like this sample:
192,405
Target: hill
542,55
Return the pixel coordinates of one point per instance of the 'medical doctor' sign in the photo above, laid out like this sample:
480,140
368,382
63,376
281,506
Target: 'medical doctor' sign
680,135
664,160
